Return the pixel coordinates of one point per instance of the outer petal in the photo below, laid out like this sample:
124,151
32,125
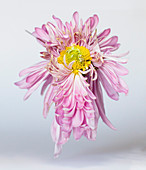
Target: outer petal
103,35
119,69
48,99
107,86
76,18
33,68
42,34
60,137
35,75
59,23
99,101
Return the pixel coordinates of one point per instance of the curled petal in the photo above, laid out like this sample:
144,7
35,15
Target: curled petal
93,22
103,35
76,18
59,22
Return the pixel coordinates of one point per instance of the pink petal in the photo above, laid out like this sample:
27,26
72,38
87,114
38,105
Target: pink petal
109,72
90,134
35,86
93,22
42,34
119,69
76,18
109,48
48,99
107,86
123,86
78,118
45,85
78,132
119,60
100,104
33,77
59,23
116,55
110,42
33,68
103,35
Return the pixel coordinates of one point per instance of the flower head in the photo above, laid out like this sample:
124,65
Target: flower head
77,61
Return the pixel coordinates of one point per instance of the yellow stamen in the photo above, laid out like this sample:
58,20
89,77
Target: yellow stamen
79,54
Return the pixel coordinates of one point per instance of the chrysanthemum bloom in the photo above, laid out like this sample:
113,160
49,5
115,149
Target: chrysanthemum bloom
77,61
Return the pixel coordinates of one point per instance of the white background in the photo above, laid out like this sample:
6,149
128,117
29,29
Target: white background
25,141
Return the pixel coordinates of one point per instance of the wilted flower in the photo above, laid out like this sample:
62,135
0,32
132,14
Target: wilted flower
77,61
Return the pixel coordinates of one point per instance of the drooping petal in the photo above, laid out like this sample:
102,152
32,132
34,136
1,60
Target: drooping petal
45,85
107,86
99,101
78,118
119,69
78,132
48,99
59,137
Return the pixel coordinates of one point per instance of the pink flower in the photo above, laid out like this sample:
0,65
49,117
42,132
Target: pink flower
77,62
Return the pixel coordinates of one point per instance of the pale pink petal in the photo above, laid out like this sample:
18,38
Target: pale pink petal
45,85
76,18
90,133
78,118
33,68
100,104
107,86
93,22
78,132
59,23
48,99
59,137
119,69
34,87
110,42
42,34
123,86
111,75
109,48
104,34
116,55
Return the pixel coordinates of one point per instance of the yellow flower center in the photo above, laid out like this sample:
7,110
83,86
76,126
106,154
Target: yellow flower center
79,54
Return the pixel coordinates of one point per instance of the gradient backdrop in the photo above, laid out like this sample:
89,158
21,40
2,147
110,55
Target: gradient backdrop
25,141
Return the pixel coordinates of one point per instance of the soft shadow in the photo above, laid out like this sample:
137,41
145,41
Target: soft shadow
75,154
